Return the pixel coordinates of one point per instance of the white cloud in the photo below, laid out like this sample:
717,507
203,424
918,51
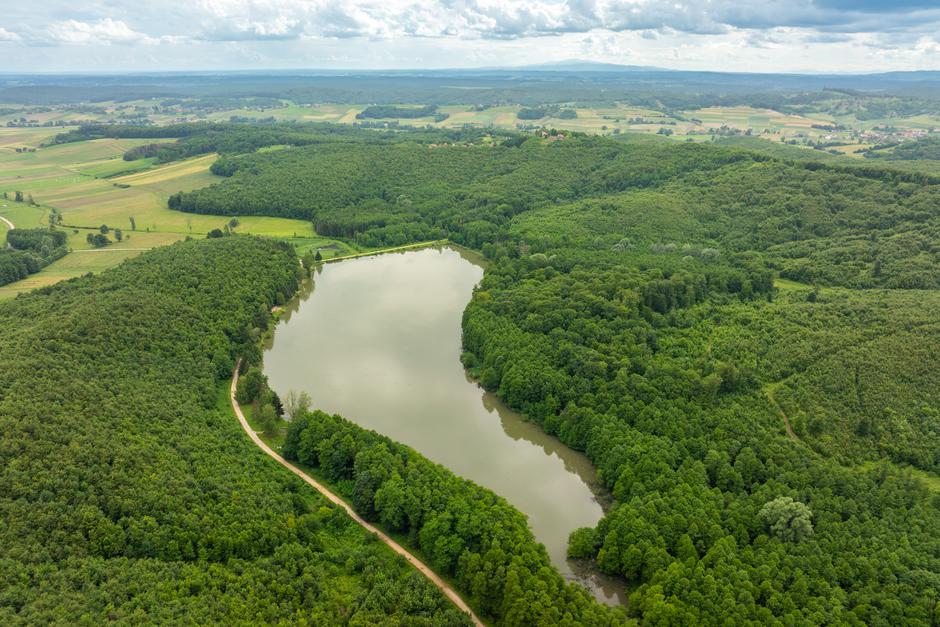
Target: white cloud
414,33
105,31
6,35
498,19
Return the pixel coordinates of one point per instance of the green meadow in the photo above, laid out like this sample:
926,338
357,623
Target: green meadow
91,185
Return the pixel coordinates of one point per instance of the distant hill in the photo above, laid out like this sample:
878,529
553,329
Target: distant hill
580,65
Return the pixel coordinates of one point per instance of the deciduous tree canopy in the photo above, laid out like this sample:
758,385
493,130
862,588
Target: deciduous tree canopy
128,492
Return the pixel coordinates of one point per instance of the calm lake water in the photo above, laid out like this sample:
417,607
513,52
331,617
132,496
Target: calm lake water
377,340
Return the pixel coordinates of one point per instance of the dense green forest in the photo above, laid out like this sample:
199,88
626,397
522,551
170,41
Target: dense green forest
810,222
465,532
630,308
391,111
924,148
468,533
128,492
29,251
682,413
198,138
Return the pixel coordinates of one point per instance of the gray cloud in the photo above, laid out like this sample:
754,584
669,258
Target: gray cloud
89,21
253,26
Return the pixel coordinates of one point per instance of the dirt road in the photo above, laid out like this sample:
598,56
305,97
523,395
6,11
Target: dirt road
449,592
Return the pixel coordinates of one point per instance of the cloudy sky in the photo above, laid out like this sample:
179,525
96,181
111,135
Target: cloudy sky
749,35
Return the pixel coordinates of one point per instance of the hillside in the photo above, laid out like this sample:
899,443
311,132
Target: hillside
128,492
631,307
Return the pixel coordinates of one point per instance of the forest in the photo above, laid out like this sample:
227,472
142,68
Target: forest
128,492
226,138
810,222
468,533
924,148
465,532
390,111
30,250
742,344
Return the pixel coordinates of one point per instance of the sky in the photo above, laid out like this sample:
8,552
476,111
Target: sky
812,36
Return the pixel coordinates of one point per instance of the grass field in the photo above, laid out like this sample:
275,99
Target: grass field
22,215
617,118
91,184
602,120
12,138
72,265
758,119
72,178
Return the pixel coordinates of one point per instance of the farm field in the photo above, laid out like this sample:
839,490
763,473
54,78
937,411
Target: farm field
75,264
294,112
597,120
607,119
12,138
71,178
91,185
20,214
601,119
758,119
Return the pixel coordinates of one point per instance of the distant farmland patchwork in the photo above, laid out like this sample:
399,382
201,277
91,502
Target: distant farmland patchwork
70,178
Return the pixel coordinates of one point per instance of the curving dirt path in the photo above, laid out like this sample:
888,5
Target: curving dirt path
9,224
786,420
444,587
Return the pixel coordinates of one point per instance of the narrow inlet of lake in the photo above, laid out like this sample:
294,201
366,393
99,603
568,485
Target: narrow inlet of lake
377,340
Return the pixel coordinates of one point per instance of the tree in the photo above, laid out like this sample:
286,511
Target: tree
133,223
29,199
296,403
277,404
104,229
390,502
318,257
214,233
251,385
789,520
267,417
233,223
18,197
99,241
582,543
308,261
118,234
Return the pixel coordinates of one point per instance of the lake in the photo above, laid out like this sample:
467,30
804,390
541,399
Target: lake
377,340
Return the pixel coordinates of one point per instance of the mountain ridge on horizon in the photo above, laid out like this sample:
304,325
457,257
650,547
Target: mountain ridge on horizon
573,65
